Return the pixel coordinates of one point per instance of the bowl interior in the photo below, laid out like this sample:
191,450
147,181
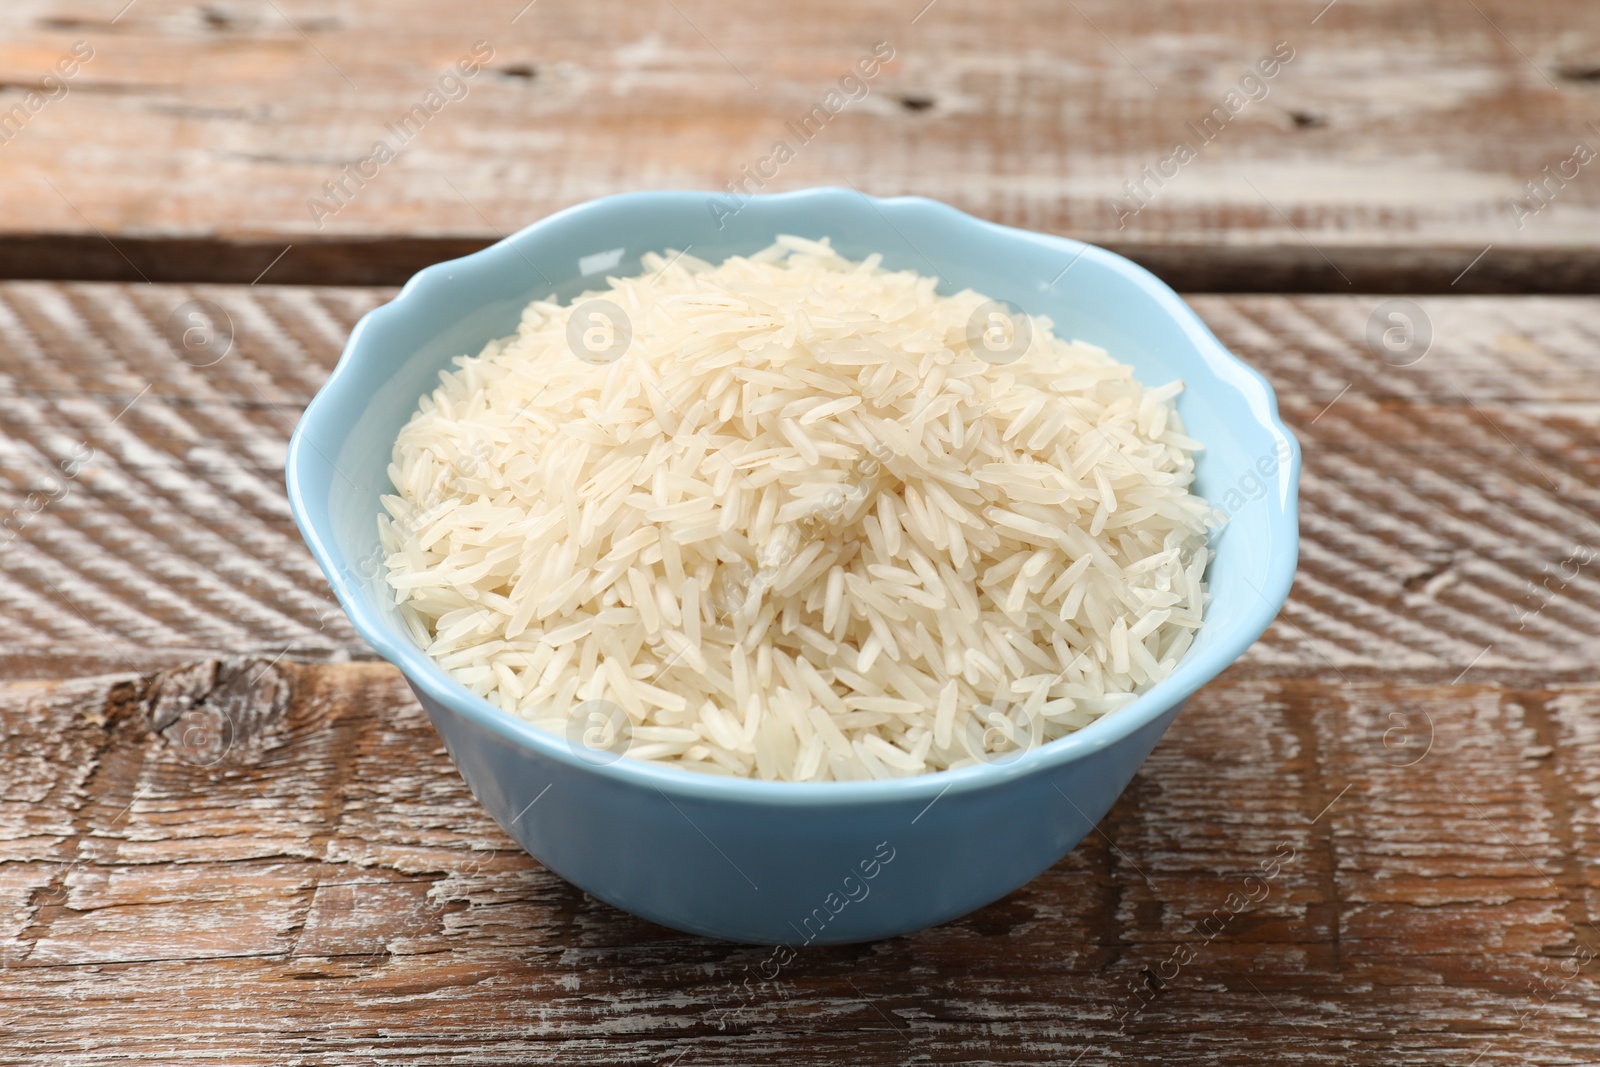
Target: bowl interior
1249,468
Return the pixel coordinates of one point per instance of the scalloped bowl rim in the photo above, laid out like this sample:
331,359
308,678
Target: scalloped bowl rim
1191,673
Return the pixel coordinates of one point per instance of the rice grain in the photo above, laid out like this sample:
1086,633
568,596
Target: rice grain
798,529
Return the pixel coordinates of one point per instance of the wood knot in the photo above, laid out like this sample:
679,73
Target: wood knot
1579,69
219,710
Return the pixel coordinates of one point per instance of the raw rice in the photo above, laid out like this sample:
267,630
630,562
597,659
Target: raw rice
799,529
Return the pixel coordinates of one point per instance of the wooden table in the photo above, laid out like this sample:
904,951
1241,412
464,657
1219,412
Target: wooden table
227,832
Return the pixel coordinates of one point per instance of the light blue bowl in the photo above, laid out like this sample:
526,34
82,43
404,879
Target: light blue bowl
773,862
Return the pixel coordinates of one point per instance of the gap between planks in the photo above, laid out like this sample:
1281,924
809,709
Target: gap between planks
294,259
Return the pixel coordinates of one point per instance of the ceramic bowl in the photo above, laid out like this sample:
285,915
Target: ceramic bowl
775,862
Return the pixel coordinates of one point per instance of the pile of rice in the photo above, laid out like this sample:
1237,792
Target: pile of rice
800,528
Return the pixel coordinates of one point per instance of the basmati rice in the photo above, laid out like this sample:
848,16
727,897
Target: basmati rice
786,515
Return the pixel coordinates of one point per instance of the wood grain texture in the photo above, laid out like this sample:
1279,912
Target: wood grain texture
227,836
1443,501
1387,154
324,889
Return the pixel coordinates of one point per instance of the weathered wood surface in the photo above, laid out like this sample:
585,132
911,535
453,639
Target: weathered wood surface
288,870
1387,154
1441,504
325,890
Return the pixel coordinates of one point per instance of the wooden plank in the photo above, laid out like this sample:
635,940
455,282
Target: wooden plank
1443,502
1385,153
327,890
275,849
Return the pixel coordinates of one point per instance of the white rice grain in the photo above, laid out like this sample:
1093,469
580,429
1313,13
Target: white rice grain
798,530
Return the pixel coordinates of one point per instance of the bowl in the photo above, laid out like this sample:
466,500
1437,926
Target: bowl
784,863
